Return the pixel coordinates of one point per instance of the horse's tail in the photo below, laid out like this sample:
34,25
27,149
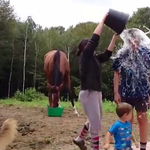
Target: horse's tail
8,132
56,65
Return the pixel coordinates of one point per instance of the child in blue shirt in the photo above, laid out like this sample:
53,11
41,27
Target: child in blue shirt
121,129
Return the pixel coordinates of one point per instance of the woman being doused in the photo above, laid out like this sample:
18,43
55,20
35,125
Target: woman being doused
131,66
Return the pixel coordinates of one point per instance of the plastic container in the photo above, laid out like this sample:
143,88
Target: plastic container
55,112
116,20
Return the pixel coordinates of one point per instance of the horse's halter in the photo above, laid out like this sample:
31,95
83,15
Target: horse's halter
54,90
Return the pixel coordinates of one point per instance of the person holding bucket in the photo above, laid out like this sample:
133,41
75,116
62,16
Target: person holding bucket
90,95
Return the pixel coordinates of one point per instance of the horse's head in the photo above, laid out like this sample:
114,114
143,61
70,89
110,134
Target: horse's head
54,94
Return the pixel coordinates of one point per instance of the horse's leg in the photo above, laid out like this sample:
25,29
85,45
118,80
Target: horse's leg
59,103
68,85
49,93
50,99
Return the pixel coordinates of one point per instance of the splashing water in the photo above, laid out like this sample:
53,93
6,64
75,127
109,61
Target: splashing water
127,36
134,61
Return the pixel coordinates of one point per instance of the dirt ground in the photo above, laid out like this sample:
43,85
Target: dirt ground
37,131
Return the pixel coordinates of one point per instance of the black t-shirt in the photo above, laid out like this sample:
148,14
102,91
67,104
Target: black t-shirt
90,65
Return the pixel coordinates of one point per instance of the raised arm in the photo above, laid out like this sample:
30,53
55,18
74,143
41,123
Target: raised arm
103,57
93,42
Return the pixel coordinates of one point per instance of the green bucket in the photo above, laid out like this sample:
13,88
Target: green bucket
54,112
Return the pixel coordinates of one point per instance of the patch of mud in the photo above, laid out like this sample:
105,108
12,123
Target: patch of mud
37,131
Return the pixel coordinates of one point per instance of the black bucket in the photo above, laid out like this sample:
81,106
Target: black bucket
116,20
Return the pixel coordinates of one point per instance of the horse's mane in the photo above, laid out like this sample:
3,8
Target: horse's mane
56,71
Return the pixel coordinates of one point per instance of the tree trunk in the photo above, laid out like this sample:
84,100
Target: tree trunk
11,66
24,63
35,63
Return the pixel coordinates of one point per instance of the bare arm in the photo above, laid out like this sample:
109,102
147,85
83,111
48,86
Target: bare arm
98,29
107,141
116,82
117,67
112,43
107,138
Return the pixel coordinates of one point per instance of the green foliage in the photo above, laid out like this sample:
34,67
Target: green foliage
140,18
30,95
39,42
77,90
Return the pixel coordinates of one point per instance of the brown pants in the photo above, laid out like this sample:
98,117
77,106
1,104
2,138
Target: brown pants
92,104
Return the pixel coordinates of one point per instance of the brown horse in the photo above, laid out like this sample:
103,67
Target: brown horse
57,70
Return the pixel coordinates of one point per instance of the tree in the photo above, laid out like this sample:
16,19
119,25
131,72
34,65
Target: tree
29,24
24,44
140,18
7,27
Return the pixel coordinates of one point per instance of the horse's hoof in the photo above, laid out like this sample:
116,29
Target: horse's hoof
77,114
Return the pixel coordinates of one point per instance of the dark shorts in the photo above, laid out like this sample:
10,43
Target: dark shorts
140,105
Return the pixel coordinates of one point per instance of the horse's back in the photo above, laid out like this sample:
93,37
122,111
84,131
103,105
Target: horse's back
64,63
48,61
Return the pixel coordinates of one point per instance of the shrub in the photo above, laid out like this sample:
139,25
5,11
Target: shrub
29,95
77,90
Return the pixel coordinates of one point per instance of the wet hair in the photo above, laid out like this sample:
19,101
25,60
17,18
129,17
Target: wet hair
81,46
131,32
123,108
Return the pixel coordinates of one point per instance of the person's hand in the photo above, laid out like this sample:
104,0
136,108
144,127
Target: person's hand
117,98
137,145
115,36
105,17
106,146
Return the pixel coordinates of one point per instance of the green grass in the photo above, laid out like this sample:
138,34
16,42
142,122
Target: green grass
35,103
108,107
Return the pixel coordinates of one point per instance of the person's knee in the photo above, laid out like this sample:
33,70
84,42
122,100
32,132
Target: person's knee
142,118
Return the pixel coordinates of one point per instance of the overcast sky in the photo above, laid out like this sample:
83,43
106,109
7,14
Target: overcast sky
70,12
